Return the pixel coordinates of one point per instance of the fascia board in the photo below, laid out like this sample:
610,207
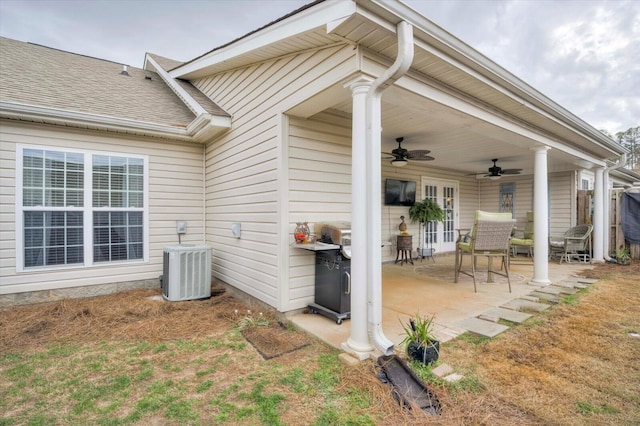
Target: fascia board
90,121
626,174
205,127
188,100
509,84
306,20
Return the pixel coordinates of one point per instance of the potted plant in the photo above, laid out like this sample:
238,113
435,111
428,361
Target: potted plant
423,212
419,340
623,257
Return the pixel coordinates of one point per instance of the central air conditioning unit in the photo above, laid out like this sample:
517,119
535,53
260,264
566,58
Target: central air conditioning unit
187,272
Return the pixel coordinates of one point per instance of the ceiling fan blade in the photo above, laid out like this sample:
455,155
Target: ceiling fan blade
421,158
510,171
417,153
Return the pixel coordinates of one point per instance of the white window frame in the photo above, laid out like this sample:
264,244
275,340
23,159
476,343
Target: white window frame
87,209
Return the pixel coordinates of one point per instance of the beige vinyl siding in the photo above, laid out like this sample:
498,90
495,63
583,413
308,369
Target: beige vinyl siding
247,168
175,193
562,200
319,189
523,198
415,171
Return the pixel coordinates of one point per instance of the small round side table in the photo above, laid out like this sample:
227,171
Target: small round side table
404,245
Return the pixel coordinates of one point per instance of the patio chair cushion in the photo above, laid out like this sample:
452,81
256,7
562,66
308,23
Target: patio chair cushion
522,242
559,244
528,228
465,245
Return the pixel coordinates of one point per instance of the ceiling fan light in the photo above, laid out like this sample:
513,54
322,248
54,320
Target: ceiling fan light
399,163
494,177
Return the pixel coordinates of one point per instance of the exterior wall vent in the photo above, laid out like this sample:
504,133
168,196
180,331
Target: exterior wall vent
187,272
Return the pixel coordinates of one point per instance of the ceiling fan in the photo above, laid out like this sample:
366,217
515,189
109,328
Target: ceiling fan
495,171
400,156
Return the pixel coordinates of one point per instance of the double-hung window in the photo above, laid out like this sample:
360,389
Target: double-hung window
78,208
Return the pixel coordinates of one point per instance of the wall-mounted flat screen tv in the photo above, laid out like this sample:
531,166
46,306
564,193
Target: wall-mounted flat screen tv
399,192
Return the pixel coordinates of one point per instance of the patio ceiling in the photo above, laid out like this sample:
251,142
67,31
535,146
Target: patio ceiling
459,142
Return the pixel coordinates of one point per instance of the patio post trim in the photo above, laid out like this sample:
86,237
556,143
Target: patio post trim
358,342
541,217
598,217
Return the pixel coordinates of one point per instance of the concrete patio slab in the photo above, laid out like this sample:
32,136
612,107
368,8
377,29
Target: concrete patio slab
428,289
508,314
485,328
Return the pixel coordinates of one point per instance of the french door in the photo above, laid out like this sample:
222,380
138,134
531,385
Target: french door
441,235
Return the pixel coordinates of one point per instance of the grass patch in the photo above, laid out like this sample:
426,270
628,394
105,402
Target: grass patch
473,338
587,408
267,405
123,359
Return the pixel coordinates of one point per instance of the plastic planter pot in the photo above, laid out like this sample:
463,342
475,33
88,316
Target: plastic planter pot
424,354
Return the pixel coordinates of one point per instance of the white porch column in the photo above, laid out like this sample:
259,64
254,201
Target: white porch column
540,218
358,343
598,217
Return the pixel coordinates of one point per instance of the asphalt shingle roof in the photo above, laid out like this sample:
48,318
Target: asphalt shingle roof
209,106
41,76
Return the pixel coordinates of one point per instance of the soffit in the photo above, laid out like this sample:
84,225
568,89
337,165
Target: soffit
439,64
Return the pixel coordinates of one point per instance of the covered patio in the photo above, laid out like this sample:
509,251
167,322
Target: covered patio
427,288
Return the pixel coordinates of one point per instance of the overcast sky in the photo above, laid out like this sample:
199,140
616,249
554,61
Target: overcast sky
584,55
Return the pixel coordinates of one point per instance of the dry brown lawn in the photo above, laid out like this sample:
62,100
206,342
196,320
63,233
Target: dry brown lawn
577,363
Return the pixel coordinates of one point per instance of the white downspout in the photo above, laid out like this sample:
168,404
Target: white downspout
374,178
607,205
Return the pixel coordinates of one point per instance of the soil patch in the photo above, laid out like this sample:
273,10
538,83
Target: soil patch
274,340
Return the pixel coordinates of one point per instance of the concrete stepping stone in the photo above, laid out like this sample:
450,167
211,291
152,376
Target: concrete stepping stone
485,328
525,305
530,298
490,318
583,280
557,290
568,284
573,284
549,290
565,290
454,377
442,370
550,298
507,314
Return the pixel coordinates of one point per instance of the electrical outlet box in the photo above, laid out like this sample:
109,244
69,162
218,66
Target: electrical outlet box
235,229
181,227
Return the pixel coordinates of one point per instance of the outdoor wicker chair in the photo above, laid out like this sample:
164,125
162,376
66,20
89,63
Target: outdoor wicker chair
489,237
574,244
